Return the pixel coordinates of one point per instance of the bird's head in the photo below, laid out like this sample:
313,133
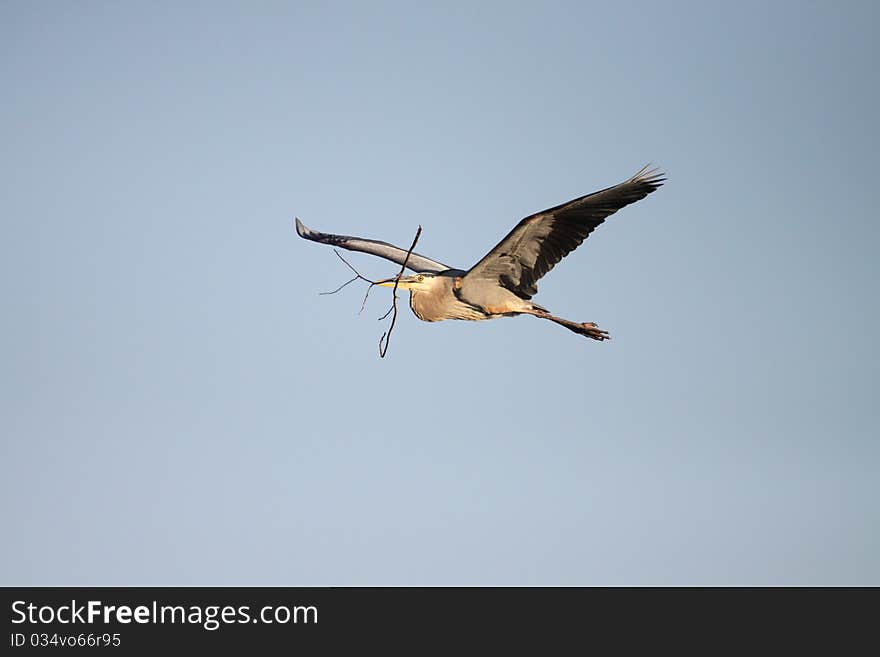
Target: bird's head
414,283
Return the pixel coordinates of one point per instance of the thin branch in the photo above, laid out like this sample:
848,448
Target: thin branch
386,337
357,276
338,289
384,341
366,295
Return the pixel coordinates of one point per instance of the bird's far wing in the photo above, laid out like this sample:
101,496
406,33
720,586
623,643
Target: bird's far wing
541,240
416,262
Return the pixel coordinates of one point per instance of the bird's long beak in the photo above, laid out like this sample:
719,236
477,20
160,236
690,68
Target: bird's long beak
404,283
388,282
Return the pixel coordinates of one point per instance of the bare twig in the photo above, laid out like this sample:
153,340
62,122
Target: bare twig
357,276
386,337
338,289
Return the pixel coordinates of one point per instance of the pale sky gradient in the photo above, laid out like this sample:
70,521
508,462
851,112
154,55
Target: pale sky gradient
179,406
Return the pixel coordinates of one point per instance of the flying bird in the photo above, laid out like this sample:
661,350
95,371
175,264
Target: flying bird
504,281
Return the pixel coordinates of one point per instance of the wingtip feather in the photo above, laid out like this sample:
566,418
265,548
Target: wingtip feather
650,175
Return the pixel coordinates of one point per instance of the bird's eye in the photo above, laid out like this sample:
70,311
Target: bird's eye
420,278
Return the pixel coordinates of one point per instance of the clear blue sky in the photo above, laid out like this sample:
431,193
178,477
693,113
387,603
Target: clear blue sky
179,406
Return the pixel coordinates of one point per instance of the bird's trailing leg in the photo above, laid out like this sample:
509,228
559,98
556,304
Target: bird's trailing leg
588,329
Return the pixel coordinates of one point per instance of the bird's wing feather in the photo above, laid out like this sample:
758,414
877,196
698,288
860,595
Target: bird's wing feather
416,262
541,240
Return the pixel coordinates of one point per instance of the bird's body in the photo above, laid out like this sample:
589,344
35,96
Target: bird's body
440,296
503,282
433,299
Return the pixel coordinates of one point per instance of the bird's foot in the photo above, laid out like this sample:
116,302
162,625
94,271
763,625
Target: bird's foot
592,331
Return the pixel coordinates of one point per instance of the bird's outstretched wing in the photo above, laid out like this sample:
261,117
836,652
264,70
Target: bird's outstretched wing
416,262
541,240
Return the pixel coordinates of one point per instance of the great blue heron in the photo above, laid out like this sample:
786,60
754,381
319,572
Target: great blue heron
504,281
